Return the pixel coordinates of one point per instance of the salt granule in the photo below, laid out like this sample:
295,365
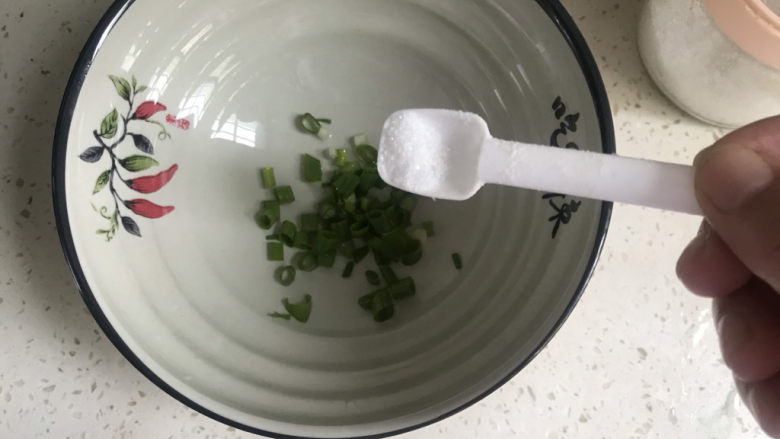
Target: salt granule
422,157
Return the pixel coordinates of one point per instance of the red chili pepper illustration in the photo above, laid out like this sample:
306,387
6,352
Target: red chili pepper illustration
148,108
152,183
148,209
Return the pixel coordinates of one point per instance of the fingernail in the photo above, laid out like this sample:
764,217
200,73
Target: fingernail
734,334
730,175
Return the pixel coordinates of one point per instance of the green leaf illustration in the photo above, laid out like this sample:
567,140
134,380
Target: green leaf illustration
141,88
135,83
122,87
137,163
108,125
101,182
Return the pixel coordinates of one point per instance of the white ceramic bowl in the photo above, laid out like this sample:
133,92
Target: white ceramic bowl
187,302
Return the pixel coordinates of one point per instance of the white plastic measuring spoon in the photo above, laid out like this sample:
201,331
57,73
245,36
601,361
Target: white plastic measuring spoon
450,155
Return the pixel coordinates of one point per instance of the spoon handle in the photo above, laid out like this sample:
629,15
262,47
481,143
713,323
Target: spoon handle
589,175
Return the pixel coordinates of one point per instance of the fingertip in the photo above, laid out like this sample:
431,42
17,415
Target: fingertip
763,400
729,175
708,268
749,332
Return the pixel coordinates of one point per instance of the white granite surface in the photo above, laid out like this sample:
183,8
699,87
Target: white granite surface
637,359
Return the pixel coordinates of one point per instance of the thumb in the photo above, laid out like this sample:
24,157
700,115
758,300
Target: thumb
738,188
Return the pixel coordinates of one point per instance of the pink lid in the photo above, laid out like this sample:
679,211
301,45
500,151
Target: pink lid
752,25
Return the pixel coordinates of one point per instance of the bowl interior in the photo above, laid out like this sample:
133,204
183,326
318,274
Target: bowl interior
188,300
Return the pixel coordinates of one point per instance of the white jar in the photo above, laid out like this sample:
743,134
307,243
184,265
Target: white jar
719,60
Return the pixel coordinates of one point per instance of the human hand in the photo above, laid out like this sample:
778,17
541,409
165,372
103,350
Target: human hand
735,259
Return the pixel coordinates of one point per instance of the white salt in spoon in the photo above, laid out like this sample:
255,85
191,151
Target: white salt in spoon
450,155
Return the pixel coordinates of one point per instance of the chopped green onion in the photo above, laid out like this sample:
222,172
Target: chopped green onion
359,139
413,253
275,251
285,275
367,203
370,179
457,261
355,217
346,184
367,153
359,229
408,203
349,166
327,210
388,274
287,233
350,203
340,229
326,241
306,261
311,169
284,194
269,214
323,134
382,306
302,240
263,221
381,254
310,222
326,259
299,311
366,301
348,270
429,230
309,123
420,235
268,177
277,315
402,289
347,249
373,277
360,253
379,221
341,157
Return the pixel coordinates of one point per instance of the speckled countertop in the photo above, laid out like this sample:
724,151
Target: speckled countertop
638,358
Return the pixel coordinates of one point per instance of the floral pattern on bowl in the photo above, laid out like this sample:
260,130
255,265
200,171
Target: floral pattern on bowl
111,136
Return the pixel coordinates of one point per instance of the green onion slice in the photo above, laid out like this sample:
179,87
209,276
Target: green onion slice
373,277
311,169
277,315
310,222
382,306
268,177
287,233
275,251
457,261
402,289
306,261
348,270
388,274
428,226
367,153
299,311
285,275
309,123
284,194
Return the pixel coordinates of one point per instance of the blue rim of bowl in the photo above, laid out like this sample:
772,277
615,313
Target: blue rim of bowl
555,11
